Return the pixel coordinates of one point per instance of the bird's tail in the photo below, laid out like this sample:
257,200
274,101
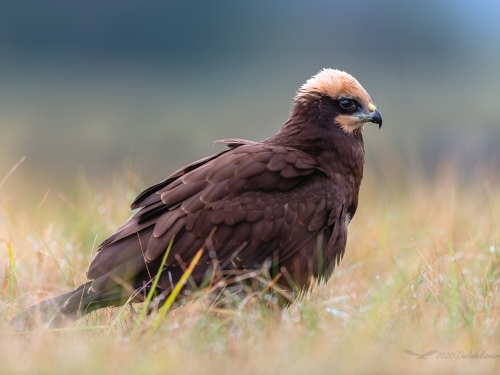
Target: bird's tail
59,311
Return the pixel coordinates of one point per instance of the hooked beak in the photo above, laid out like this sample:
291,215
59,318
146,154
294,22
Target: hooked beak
375,116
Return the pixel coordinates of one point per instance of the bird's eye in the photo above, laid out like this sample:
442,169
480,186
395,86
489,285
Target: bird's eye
347,103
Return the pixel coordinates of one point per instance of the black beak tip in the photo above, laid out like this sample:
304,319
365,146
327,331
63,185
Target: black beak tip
377,118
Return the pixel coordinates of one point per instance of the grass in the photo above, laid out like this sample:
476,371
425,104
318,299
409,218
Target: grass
420,273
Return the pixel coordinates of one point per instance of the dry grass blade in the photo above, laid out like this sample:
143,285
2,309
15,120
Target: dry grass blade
11,171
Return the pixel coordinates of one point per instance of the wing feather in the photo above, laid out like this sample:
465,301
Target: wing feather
276,163
157,245
192,204
214,192
165,222
182,192
249,167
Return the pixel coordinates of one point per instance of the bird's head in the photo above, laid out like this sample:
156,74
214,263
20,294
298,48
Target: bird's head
336,98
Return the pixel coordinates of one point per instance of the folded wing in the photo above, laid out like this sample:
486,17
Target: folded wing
256,200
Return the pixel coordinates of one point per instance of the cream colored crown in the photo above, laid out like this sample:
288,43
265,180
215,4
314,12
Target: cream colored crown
335,84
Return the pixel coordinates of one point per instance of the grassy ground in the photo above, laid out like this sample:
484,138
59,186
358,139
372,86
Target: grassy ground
421,273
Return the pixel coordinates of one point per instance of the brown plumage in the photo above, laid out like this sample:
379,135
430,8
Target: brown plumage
276,198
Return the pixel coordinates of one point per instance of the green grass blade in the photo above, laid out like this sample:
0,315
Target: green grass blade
151,292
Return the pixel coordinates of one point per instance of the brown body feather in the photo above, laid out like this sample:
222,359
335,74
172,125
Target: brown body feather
276,198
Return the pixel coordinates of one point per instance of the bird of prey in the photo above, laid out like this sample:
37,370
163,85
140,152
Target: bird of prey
289,197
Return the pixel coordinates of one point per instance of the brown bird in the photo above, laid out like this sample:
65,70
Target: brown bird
289,197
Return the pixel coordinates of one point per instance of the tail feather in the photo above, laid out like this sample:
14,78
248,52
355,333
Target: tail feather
59,311
40,314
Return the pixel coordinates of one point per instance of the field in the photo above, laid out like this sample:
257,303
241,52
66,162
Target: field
421,273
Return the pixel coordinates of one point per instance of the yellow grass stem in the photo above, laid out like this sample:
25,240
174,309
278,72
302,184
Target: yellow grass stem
173,295
12,268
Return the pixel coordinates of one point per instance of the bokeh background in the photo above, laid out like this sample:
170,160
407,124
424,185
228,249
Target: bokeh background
94,86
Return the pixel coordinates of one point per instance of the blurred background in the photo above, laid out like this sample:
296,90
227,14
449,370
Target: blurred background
96,86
